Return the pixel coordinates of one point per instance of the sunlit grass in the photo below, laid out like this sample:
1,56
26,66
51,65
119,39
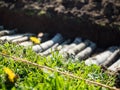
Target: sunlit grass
30,77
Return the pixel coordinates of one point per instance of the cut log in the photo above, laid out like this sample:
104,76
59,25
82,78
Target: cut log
84,54
55,47
112,58
64,51
16,36
26,43
11,37
63,45
51,49
48,51
7,32
72,45
78,48
22,39
100,58
115,66
44,46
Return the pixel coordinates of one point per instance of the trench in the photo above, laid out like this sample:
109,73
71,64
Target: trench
69,27
95,38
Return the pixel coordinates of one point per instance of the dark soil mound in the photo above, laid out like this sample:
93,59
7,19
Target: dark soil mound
97,20
102,12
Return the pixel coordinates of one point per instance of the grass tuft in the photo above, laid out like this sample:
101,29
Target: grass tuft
30,77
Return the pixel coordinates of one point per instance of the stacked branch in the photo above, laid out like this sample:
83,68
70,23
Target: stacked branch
6,32
26,43
116,66
110,60
44,46
78,48
84,54
63,45
100,58
16,36
64,51
48,51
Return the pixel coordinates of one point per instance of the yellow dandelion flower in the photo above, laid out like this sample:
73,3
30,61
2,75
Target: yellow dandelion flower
35,40
10,73
4,52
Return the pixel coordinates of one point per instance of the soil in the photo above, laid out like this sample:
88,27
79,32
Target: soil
102,12
97,20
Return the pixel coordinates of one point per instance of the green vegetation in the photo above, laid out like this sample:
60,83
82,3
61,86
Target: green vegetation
28,77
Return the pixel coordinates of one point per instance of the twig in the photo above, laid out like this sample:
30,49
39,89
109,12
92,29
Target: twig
61,72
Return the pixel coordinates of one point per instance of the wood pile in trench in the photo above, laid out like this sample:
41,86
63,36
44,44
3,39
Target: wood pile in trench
78,48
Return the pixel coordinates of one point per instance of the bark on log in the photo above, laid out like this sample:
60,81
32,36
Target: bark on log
12,37
73,44
44,46
64,51
78,48
26,43
84,54
112,58
7,32
63,44
100,58
51,49
55,47
48,51
115,66
22,39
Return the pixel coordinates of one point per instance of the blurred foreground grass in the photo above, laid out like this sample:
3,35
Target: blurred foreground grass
28,77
